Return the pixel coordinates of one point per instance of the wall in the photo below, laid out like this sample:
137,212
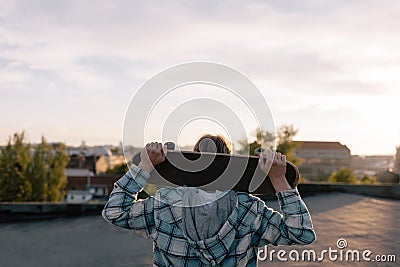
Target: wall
384,191
40,210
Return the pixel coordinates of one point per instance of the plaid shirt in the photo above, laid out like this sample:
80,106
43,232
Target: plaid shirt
251,225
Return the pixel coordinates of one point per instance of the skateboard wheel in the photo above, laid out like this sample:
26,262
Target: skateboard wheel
170,145
259,151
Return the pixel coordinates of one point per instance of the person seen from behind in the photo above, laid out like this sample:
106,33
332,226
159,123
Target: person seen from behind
227,231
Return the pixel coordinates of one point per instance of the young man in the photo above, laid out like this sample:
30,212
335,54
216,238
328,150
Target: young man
225,232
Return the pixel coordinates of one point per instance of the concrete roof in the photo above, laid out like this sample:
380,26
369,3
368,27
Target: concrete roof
364,222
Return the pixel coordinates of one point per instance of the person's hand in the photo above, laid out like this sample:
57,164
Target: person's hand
152,154
276,162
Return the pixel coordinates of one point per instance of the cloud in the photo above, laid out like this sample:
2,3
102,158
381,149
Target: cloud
79,53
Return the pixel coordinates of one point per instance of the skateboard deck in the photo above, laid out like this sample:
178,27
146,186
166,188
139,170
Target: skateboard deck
214,171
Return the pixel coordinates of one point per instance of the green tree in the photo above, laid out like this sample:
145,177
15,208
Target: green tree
322,175
38,172
260,137
343,175
57,180
32,176
368,179
285,145
118,169
302,179
15,159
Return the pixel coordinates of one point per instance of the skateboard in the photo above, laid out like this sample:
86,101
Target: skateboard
214,171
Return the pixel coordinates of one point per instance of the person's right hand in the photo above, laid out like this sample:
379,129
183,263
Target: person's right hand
152,154
276,162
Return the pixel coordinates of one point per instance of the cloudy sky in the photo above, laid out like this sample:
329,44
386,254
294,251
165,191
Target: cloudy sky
68,69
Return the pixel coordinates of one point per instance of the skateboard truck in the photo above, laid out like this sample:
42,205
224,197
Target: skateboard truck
170,145
259,151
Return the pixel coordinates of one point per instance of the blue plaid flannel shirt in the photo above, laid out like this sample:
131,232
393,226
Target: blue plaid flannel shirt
251,225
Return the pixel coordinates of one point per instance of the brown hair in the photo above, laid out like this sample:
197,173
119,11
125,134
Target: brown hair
210,143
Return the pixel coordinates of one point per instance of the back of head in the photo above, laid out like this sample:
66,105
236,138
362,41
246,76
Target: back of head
213,144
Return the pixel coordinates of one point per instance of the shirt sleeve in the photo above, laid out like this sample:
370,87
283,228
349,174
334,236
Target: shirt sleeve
123,209
293,226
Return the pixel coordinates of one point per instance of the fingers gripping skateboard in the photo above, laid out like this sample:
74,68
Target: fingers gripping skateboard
180,177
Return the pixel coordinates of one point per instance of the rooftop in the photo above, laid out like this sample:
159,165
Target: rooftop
320,145
364,222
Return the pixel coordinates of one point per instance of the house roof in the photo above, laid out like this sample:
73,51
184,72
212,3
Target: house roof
320,145
100,151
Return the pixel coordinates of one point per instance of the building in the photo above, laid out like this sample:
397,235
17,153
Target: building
397,161
79,196
388,177
320,159
98,159
86,172
371,165
99,186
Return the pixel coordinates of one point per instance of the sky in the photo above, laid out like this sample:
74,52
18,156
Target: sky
69,69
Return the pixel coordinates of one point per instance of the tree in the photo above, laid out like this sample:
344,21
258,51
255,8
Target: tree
343,175
285,142
38,172
261,137
15,160
302,179
118,169
47,173
368,179
32,176
57,180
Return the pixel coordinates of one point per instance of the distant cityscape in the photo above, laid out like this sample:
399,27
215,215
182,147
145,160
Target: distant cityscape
88,167
318,158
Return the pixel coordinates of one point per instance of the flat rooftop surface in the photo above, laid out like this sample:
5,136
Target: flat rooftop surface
366,223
